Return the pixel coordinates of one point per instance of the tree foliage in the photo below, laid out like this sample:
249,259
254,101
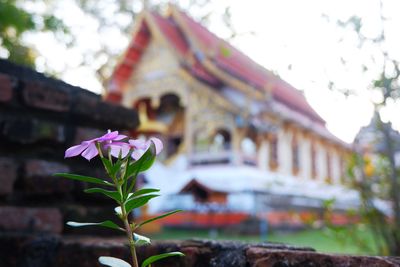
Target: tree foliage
15,21
375,175
116,17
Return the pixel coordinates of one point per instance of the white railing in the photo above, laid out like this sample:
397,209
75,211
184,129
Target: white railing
225,157
211,157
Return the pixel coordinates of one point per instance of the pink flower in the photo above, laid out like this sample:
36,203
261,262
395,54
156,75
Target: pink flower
139,147
88,149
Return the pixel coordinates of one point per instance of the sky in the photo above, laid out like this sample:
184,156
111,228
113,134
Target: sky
298,40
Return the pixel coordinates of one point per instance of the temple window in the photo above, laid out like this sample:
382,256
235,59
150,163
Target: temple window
171,113
221,141
248,146
273,153
164,118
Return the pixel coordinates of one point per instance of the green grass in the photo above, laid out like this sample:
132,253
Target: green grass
325,240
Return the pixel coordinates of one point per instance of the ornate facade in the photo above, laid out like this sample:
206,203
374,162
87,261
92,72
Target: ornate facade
213,105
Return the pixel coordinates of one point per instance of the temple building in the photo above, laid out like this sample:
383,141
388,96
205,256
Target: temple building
228,124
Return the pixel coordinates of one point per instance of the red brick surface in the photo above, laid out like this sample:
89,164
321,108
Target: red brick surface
25,130
85,133
40,118
84,251
40,95
6,88
38,177
261,257
8,175
30,219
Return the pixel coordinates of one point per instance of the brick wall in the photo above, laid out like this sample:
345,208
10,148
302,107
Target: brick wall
39,118
48,251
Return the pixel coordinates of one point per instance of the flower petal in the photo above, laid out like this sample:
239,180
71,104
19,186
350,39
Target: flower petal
108,136
76,150
137,154
118,147
90,152
158,144
138,144
120,137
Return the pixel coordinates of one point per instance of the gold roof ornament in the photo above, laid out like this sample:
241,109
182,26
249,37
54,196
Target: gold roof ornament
147,125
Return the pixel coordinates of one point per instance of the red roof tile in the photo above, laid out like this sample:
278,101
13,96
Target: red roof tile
129,61
172,33
222,54
234,62
175,36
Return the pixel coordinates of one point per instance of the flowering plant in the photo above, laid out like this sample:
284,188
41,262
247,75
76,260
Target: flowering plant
123,160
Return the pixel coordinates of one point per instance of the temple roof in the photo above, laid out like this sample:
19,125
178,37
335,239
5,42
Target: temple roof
206,56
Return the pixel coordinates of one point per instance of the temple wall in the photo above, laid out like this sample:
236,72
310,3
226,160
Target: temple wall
284,152
156,75
336,171
305,157
304,141
263,155
321,161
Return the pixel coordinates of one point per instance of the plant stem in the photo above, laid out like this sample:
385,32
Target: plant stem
131,242
129,233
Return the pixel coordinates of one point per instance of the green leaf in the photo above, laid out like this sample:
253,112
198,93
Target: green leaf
116,167
157,218
138,202
111,194
113,262
83,178
155,258
144,163
141,240
108,224
142,192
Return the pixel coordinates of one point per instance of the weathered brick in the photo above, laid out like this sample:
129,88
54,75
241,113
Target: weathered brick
27,131
6,88
259,257
49,131
117,116
8,175
86,213
109,114
38,178
84,252
19,130
83,134
40,95
85,103
30,219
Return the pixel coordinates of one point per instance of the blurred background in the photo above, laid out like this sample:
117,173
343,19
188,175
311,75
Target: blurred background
279,119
